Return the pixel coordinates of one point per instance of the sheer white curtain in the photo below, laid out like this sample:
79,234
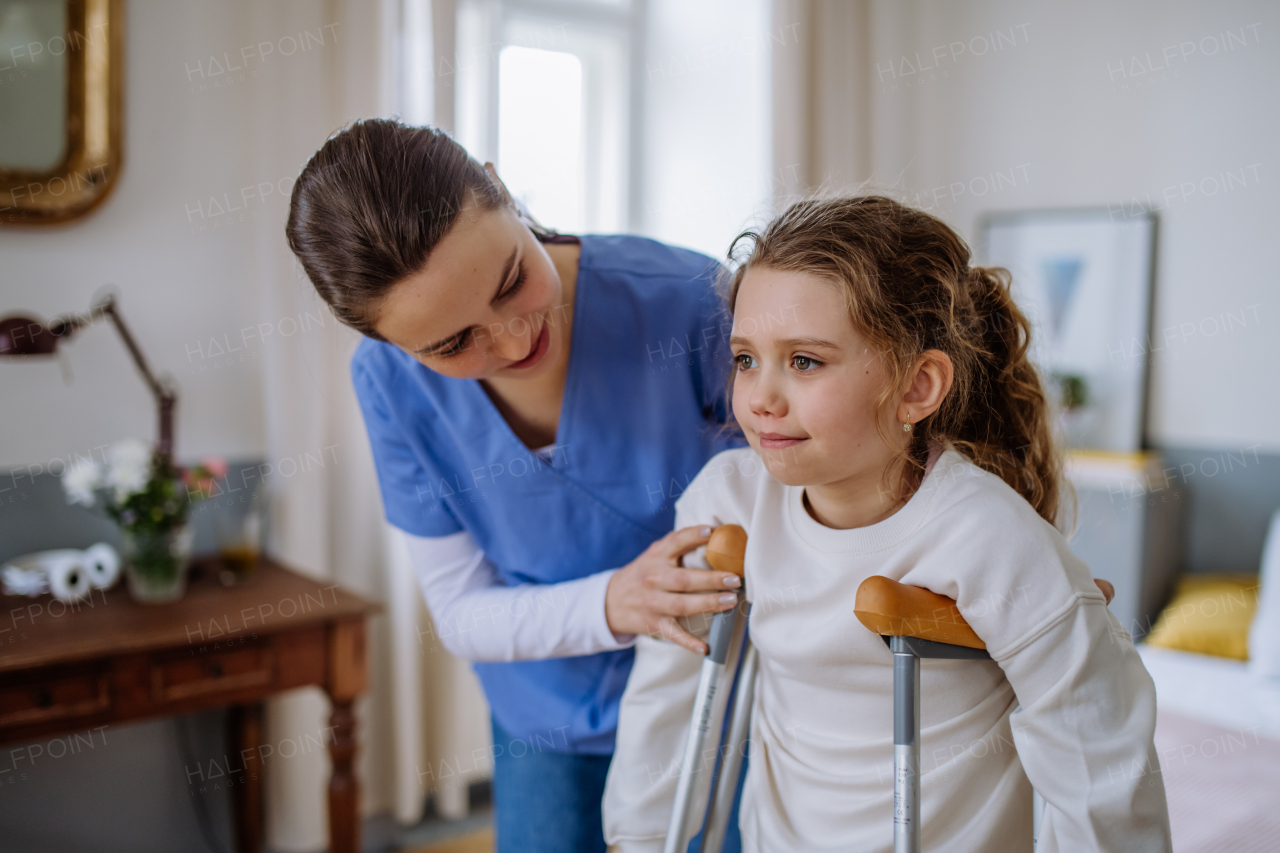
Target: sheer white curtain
821,98
327,523
424,716
440,715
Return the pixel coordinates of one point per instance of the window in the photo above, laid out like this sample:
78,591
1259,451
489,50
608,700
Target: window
540,132
543,91
643,116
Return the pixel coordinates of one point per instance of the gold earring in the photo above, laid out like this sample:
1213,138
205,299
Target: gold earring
906,427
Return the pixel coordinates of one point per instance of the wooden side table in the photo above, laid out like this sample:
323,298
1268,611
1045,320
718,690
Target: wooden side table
110,660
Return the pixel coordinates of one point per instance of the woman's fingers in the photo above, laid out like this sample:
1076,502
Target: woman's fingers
669,629
679,604
677,543
697,580
649,593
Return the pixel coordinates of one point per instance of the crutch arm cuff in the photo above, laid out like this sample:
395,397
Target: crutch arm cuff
895,609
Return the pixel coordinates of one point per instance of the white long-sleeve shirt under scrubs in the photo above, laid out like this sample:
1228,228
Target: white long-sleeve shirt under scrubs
479,618
1064,705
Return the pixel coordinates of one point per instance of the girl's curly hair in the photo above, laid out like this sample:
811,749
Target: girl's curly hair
909,287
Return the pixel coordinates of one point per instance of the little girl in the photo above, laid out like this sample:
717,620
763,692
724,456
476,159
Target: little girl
897,428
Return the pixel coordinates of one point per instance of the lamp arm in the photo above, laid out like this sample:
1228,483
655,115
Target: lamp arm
165,397
158,388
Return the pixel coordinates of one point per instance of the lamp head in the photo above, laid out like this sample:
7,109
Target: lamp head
24,336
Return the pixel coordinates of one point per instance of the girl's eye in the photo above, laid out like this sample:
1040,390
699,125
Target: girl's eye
804,363
744,361
458,345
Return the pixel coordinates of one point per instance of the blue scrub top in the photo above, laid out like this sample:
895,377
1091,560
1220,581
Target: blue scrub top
643,411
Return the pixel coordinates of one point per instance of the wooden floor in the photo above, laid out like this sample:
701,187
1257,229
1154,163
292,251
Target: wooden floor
474,842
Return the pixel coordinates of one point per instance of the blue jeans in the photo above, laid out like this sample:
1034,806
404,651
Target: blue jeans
549,802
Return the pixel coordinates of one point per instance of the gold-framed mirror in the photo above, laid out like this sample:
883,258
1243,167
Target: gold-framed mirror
61,76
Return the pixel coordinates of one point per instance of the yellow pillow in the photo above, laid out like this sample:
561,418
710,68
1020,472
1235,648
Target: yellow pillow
1209,615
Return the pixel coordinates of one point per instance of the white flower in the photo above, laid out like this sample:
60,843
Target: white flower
129,467
80,479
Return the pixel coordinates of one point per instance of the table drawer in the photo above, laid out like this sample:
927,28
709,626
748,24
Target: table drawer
179,678
55,699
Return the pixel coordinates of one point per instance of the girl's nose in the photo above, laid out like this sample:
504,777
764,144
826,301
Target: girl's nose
767,398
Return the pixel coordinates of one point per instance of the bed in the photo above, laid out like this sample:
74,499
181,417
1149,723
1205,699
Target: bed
1218,737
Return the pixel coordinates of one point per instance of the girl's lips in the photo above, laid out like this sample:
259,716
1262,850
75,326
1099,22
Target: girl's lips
540,346
778,441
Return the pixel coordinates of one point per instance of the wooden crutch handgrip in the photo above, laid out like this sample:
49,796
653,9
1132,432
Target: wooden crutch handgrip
894,609
726,549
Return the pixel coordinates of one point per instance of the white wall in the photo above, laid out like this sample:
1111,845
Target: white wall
183,276
1054,110
223,106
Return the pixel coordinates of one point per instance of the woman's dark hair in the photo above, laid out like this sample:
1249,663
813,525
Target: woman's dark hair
909,287
373,202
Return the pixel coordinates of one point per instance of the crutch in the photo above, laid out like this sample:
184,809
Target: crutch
916,623
726,644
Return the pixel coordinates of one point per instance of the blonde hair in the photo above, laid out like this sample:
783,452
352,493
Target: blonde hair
909,288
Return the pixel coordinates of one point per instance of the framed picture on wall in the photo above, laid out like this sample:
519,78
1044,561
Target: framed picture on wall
1084,279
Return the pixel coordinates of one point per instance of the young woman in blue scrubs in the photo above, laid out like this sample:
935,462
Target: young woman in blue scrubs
535,404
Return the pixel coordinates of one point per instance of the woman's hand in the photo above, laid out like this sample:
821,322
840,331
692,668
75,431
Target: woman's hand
648,594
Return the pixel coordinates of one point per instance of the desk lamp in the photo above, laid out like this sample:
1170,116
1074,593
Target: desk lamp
21,336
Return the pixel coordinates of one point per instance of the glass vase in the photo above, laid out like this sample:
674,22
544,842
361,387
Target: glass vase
156,563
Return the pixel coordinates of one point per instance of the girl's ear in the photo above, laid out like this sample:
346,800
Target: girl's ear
927,386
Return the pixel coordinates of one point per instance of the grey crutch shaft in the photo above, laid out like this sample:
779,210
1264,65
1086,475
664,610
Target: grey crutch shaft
695,768
907,653
726,783
906,748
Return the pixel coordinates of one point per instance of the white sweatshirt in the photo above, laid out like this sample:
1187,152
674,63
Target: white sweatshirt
1065,700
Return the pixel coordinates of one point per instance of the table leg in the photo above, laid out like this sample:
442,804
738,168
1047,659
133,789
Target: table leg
344,792
348,678
244,723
